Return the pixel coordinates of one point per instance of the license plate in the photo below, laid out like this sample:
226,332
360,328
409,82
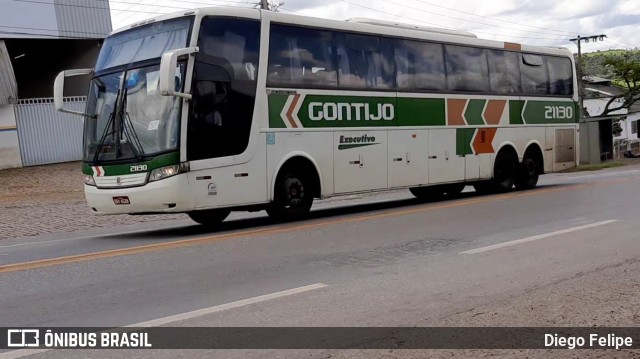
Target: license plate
121,200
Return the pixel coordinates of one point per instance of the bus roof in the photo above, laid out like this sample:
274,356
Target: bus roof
363,25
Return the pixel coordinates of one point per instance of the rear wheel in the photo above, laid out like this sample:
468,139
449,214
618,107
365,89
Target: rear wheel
528,174
292,198
209,217
504,174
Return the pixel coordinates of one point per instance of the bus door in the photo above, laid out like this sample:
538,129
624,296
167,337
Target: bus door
219,127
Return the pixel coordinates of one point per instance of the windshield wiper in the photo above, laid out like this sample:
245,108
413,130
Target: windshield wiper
130,132
106,133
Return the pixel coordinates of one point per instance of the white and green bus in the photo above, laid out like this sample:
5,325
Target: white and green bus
224,109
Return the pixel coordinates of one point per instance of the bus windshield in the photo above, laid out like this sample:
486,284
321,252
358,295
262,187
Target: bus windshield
143,43
128,118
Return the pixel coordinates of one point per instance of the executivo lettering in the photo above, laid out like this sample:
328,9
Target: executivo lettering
347,142
351,112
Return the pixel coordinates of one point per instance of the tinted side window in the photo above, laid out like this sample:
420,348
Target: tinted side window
301,56
224,88
365,62
466,69
560,76
420,65
534,75
504,71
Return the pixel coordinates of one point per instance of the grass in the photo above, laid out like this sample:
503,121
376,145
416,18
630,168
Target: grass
608,52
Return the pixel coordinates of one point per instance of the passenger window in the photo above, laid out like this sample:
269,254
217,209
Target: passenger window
420,65
301,56
534,75
467,69
365,62
560,76
504,71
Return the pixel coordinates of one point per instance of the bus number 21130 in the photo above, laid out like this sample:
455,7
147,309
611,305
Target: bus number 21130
558,112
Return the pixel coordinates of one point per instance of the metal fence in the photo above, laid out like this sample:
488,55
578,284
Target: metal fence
46,135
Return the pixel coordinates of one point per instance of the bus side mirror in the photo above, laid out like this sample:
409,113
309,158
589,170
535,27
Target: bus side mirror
58,89
168,65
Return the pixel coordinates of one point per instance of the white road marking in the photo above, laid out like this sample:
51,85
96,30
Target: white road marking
186,316
537,237
227,306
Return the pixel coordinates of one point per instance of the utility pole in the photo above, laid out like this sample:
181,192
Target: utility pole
578,40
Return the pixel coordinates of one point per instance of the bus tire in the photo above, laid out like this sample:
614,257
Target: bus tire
209,217
504,172
292,197
528,172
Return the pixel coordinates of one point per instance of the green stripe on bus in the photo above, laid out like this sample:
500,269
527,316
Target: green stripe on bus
421,112
168,159
463,141
86,169
549,112
515,112
276,103
473,114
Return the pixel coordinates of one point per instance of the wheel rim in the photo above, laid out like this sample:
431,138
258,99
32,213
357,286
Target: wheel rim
294,191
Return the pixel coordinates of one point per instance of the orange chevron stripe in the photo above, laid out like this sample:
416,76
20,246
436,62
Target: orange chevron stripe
483,142
294,103
512,46
493,111
455,111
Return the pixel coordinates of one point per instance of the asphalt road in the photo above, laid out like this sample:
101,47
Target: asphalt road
370,260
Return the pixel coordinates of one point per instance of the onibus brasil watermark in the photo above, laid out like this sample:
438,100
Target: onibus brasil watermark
36,338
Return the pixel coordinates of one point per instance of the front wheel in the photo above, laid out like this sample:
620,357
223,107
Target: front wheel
209,217
292,197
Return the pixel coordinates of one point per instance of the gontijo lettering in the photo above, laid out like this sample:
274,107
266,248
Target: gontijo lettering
350,111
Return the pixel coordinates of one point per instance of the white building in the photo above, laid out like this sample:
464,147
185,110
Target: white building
37,40
598,92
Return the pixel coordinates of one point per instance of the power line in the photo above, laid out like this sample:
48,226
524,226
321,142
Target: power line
133,13
624,43
495,19
424,22
467,20
292,11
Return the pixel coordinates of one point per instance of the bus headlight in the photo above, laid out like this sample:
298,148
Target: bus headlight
168,171
89,181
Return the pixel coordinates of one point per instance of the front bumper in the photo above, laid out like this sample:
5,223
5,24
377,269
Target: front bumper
169,195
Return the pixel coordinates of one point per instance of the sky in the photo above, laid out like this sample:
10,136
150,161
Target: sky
535,22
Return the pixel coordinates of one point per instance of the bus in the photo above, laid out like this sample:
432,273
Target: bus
226,109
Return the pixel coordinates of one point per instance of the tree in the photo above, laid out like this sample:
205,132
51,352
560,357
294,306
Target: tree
625,70
271,5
